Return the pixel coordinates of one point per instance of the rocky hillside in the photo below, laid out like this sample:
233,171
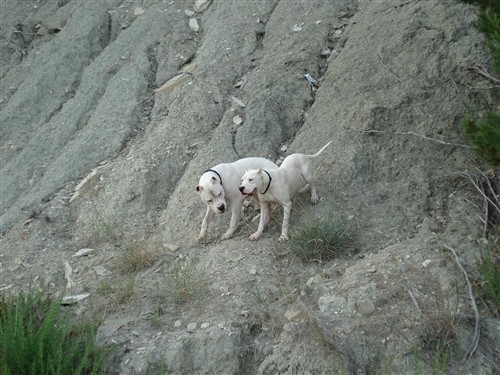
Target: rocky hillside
111,110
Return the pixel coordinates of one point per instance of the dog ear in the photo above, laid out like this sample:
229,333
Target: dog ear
259,170
213,180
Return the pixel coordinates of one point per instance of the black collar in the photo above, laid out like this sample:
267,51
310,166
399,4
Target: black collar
217,173
269,183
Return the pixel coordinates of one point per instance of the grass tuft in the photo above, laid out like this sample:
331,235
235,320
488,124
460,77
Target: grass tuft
322,239
36,337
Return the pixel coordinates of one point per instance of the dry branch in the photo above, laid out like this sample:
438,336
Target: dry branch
475,339
409,133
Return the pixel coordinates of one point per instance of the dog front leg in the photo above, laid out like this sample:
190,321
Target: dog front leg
204,225
235,216
264,218
287,208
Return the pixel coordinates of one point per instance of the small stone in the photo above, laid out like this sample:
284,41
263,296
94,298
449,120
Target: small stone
135,333
83,252
220,326
201,5
188,13
291,314
297,28
204,325
191,327
366,307
326,52
426,262
338,32
101,271
237,120
193,24
253,271
138,11
177,324
172,247
284,148
245,313
238,101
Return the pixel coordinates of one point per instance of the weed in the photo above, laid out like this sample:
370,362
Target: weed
104,226
185,285
322,239
36,337
484,136
136,257
489,269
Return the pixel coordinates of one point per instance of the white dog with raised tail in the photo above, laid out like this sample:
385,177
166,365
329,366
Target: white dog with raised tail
280,185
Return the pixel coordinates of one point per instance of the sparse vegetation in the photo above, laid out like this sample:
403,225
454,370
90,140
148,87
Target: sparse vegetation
184,286
489,269
37,337
136,257
484,133
322,239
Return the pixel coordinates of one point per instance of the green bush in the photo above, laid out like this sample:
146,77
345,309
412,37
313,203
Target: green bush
484,136
322,239
36,338
489,268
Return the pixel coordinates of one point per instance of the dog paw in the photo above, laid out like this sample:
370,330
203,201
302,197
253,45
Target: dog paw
226,236
254,237
202,238
283,238
315,199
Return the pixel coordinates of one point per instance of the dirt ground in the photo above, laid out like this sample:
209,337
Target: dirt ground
100,150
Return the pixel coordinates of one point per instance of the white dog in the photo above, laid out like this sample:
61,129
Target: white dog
280,185
218,187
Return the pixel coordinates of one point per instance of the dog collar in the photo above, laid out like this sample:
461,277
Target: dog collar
269,183
217,173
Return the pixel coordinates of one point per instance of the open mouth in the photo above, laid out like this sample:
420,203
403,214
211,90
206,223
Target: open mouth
246,195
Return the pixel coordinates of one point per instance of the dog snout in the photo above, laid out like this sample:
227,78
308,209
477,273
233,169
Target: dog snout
221,208
242,188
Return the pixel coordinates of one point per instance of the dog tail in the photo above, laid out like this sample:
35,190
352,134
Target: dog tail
320,151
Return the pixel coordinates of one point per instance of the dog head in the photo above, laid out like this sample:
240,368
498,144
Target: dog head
250,182
211,193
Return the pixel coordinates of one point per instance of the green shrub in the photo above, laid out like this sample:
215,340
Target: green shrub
36,338
484,136
322,239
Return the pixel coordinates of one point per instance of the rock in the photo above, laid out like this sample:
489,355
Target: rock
191,327
101,271
138,11
193,24
204,325
171,247
365,307
237,120
71,300
238,101
201,5
83,252
173,82
68,271
177,324
296,28
188,13
291,314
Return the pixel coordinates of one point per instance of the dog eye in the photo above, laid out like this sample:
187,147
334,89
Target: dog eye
220,193
209,201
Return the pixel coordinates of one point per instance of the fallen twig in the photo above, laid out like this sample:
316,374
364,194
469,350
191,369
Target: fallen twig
415,301
475,339
381,59
410,133
484,73
487,200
